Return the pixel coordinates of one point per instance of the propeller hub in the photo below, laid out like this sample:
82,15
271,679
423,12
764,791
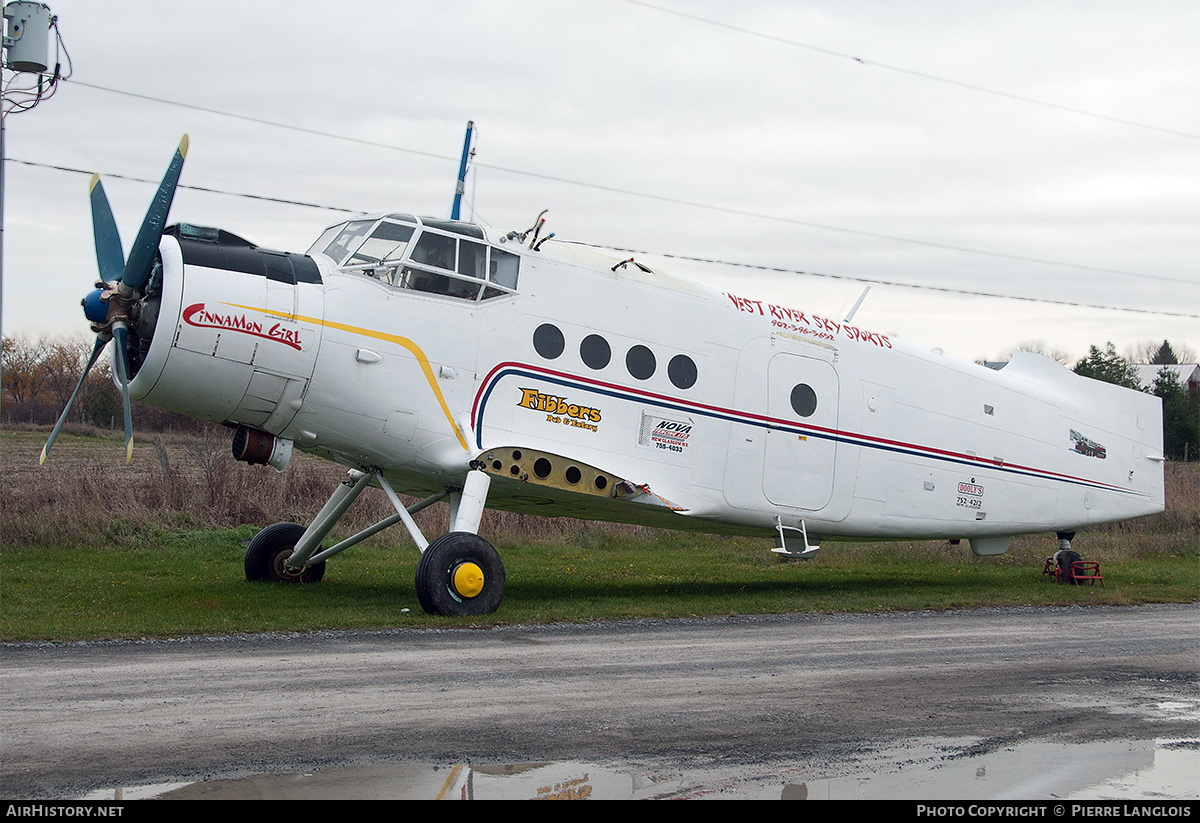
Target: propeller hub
95,306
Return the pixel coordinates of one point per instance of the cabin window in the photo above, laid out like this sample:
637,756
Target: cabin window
804,400
640,362
548,341
682,371
594,351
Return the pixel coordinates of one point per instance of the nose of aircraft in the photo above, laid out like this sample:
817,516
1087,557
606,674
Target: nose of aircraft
112,308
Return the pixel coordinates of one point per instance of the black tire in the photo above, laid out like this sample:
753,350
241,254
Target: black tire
460,556
270,548
1065,559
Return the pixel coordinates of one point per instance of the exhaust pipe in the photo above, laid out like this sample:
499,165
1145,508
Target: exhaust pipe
261,449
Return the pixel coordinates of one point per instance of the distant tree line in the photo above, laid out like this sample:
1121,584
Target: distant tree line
37,378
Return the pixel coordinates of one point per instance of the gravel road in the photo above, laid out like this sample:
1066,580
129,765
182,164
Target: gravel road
820,689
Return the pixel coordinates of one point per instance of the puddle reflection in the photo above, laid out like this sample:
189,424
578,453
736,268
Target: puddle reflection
942,769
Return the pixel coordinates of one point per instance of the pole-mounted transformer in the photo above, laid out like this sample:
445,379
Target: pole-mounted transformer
28,39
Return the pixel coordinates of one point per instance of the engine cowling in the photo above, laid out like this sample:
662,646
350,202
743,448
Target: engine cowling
229,332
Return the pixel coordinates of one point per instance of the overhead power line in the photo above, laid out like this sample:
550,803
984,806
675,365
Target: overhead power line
732,263
911,72
876,280
191,188
644,195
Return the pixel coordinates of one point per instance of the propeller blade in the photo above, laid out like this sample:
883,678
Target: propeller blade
141,255
99,347
120,336
109,256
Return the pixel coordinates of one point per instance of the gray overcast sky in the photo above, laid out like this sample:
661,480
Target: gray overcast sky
696,139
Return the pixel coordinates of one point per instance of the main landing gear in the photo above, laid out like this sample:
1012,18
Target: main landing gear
458,573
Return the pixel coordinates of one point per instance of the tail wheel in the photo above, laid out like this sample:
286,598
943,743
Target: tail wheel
1064,572
460,574
268,551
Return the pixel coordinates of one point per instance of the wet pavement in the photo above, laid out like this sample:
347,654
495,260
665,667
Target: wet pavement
917,770
1030,703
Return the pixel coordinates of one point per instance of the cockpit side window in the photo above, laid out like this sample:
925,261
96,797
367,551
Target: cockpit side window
503,270
387,242
472,259
502,273
435,250
450,263
325,239
347,239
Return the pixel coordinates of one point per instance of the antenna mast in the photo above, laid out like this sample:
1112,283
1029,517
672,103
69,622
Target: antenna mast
462,173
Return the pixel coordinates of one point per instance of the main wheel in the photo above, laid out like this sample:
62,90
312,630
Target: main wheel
268,551
460,573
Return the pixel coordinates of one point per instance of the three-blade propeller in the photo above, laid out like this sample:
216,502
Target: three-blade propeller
112,305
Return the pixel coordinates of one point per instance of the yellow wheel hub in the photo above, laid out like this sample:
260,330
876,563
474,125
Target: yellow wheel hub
468,579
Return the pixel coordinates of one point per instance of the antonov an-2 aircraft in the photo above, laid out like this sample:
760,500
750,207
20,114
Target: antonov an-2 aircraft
443,359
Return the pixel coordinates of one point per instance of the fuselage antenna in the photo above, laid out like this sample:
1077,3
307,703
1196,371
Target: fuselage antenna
859,302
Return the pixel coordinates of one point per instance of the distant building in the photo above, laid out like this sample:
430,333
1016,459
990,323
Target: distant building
1188,374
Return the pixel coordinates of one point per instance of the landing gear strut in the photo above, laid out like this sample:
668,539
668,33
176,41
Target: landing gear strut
458,573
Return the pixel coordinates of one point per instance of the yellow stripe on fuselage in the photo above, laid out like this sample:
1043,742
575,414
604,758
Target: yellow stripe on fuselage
412,348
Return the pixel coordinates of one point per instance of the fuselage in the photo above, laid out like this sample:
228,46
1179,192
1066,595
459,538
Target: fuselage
420,347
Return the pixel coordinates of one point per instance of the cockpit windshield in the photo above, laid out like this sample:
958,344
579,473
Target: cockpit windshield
432,256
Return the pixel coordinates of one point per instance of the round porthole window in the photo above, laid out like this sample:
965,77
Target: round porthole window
804,400
548,341
640,362
595,352
682,371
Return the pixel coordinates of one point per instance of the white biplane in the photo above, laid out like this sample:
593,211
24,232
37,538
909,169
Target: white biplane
442,359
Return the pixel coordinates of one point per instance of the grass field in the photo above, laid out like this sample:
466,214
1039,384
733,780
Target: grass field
93,548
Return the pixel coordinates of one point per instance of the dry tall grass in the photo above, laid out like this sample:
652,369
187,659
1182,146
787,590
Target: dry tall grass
85,496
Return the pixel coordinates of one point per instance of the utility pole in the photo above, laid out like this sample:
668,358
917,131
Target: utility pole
25,49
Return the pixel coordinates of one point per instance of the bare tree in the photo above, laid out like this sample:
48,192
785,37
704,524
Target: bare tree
22,365
63,363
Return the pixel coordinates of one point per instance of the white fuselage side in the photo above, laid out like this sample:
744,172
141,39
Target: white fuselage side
733,413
